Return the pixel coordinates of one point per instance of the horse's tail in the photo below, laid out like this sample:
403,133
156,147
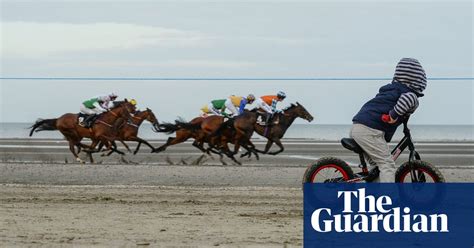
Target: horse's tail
42,125
168,128
188,125
227,124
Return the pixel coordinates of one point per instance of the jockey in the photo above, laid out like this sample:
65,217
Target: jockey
268,104
96,105
215,107
234,102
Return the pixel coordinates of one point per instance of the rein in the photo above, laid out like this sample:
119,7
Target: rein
105,123
137,118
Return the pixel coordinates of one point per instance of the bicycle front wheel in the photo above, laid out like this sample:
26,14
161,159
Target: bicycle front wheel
418,172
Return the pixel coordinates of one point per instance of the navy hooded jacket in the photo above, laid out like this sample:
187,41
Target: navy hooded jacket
371,113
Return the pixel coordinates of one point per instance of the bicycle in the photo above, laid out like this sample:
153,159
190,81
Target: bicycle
339,171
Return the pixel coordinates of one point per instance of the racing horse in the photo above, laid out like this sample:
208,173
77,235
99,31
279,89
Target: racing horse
102,131
128,130
273,132
184,131
202,129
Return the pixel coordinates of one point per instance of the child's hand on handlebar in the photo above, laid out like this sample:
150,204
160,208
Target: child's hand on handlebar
388,119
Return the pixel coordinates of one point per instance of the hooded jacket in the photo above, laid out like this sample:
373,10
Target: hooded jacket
399,99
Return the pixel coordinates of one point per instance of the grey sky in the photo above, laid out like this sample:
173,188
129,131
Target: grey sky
233,39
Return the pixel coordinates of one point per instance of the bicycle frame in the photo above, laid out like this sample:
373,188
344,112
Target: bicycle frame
405,142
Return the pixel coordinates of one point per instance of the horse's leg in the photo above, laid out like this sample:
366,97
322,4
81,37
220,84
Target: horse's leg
140,141
237,138
213,146
248,152
72,147
172,141
199,146
253,149
267,147
91,148
126,146
110,144
90,157
138,148
114,148
279,144
163,147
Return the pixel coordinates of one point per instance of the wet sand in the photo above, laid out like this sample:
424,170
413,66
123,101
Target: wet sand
148,215
169,199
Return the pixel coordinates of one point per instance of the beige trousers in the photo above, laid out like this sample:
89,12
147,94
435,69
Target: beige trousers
377,151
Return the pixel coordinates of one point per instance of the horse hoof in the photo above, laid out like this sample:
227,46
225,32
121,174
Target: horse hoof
80,161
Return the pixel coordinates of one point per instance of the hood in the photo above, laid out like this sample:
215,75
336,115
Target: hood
410,73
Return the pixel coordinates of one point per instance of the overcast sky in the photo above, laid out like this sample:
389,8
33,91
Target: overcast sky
233,39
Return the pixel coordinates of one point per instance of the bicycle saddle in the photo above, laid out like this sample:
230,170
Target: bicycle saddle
350,144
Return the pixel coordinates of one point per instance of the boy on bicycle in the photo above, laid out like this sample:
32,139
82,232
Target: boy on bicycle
376,122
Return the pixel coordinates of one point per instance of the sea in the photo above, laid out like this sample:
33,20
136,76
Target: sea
318,132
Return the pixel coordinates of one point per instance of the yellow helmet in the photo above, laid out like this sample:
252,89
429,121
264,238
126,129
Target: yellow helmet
133,102
250,98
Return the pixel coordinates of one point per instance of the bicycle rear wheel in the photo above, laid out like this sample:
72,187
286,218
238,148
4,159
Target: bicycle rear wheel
328,170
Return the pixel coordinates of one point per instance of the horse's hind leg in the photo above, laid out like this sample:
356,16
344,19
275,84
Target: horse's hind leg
114,148
72,147
163,147
171,141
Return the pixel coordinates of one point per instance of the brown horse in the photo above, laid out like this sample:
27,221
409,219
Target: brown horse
128,131
102,131
184,131
275,132
202,129
238,131
246,123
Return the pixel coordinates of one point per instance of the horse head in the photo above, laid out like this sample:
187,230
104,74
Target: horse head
152,119
299,111
124,109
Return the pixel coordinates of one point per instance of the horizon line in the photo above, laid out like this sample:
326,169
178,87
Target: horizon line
314,124
227,78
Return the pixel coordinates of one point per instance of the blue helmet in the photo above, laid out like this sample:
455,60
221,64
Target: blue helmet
281,95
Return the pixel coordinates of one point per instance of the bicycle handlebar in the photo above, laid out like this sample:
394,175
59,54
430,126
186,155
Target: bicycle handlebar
386,119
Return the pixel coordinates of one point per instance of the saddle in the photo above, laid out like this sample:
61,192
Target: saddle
86,121
352,145
263,121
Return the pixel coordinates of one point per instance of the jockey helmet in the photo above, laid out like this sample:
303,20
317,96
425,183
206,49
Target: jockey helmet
112,96
281,95
250,98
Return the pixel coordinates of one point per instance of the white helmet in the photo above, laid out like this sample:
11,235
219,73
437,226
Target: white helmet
281,94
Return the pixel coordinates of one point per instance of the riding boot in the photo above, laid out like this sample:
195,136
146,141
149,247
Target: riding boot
88,120
268,118
267,124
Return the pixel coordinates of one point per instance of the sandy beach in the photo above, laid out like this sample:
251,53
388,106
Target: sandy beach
169,199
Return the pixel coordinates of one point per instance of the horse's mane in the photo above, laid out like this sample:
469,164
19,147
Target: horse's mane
116,104
289,107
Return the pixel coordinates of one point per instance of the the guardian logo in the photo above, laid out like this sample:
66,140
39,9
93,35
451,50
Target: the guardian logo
374,215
